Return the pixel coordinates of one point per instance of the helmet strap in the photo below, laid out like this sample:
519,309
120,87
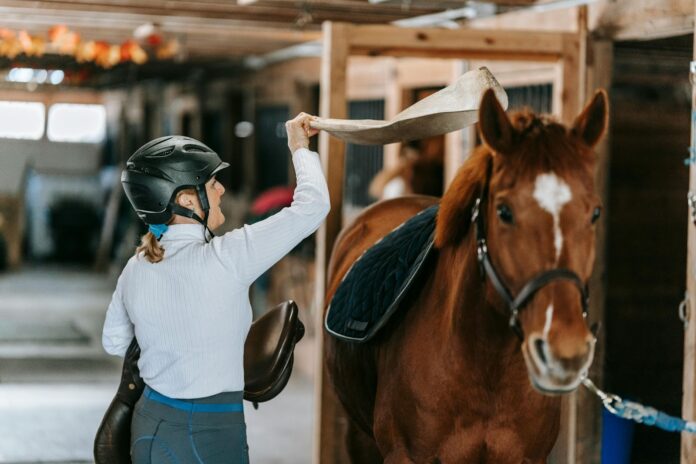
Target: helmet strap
205,206
189,213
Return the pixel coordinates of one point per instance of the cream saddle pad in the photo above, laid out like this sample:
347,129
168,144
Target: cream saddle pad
450,109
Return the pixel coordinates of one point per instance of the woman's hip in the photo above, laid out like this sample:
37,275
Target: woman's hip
201,431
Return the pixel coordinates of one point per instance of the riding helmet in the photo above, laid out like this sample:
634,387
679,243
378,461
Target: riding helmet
158,170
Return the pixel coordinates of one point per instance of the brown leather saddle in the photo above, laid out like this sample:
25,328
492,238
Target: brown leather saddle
268,360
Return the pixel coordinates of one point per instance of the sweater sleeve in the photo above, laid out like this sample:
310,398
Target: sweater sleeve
118,328
251,249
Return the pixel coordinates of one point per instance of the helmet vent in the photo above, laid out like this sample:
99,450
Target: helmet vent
195,148
161,153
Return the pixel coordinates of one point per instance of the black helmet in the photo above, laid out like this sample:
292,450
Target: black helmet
163,167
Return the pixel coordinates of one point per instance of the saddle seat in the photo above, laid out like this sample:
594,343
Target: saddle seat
268,361
371,291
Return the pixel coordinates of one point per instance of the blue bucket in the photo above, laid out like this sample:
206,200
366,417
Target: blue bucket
617,439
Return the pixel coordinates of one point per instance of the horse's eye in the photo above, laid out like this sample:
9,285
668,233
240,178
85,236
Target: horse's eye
505,213
596,214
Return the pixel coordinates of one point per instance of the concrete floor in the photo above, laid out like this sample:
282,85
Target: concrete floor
54,391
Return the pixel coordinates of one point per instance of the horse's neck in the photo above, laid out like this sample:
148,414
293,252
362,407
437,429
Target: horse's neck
474,328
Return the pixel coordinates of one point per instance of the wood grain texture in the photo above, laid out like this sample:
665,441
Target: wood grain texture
328,418
688,442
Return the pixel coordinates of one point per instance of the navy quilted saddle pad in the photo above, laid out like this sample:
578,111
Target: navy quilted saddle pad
373,287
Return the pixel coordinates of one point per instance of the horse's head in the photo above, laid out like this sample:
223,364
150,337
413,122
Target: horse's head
535,181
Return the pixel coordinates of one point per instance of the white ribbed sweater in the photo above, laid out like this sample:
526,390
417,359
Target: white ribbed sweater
191,311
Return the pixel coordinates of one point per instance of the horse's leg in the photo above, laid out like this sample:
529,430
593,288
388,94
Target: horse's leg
361,448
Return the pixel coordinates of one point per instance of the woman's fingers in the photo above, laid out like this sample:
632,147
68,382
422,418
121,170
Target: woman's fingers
308,118
306,124
299,131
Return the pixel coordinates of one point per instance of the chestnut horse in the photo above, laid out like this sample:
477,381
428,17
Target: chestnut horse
463,375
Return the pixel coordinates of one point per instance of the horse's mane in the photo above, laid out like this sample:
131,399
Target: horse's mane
541,145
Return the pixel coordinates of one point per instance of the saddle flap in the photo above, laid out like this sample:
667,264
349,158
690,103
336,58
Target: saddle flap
268,351
112,442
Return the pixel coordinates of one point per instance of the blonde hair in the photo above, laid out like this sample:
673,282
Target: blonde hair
149,245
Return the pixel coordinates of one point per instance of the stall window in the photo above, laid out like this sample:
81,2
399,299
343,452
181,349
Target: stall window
76,123
363,162
22,120
272,152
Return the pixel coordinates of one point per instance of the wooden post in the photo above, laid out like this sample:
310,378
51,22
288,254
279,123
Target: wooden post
328,411
570,94
393,104
688,442
589,422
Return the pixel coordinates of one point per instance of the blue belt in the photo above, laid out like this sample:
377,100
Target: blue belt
190,406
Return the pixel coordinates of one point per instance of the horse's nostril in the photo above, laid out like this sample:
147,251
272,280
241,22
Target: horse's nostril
539,347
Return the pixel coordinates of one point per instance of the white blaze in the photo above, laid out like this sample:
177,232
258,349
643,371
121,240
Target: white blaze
547,323
552,193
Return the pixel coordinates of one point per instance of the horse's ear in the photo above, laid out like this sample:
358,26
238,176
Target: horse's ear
496,130
454,215
591,124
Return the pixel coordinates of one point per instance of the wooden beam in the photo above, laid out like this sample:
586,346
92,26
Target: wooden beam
280,11
644,19
33,20
617,20
523,19
688,441
51,95
424,72
328,430
368,78
460,43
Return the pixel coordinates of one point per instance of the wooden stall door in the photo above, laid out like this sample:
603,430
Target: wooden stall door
567,50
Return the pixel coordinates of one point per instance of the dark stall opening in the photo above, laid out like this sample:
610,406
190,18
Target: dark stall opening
647,227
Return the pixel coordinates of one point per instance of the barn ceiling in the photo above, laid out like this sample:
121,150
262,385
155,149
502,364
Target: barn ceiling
218,28
208,38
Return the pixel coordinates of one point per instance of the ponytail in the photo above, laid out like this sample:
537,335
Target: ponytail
151,248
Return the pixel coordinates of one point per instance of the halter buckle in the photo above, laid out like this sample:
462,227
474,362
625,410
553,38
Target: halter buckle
481,250
475,210
514,313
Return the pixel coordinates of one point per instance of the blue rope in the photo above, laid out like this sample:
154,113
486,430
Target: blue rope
651,416
637,412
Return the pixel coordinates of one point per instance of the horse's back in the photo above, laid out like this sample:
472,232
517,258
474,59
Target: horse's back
351,366
369,226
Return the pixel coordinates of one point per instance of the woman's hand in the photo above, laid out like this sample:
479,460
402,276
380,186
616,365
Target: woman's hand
299,131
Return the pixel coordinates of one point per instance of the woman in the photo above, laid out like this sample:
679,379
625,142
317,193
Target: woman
184,295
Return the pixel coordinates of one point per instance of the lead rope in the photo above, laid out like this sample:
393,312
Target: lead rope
637,412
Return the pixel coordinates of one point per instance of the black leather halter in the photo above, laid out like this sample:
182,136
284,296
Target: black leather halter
517,303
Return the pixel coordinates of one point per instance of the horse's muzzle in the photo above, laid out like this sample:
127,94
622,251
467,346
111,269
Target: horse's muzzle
554,374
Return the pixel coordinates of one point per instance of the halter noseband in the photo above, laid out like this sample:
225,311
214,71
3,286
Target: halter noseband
517,303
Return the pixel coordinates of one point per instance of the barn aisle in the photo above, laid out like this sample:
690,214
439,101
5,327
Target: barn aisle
56,381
